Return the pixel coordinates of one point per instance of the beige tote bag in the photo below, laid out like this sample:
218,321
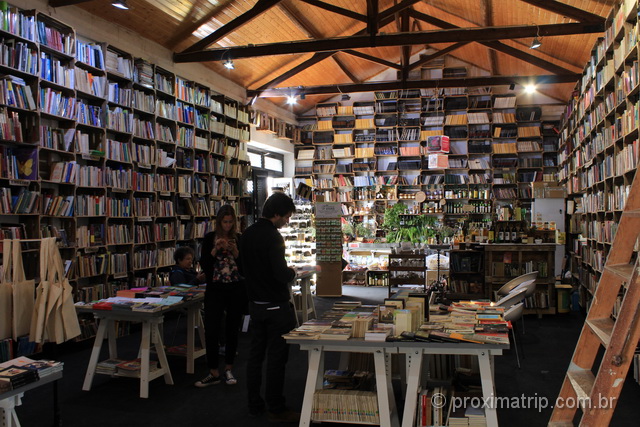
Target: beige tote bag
39,317
6,291
53,318
68,316
23,295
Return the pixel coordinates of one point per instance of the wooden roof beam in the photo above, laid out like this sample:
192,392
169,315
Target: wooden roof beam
437,54
372,17
187,30
60,3
336,9
372,59
260,7
312,32
566,10
405,58
318,57
478,34
385,18
499,46
420,84
487,11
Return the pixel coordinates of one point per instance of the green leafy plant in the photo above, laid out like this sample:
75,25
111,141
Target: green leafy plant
365,231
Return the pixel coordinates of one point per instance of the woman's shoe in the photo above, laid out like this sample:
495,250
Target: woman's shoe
229,379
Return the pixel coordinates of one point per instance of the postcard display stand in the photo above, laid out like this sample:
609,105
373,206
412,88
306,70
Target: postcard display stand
329,249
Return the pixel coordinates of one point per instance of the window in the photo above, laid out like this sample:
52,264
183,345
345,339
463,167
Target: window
267,161
274,164
255,159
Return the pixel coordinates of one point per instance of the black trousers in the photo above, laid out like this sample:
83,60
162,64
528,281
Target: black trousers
221,298
268,323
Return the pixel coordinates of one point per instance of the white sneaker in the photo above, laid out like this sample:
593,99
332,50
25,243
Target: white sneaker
229,379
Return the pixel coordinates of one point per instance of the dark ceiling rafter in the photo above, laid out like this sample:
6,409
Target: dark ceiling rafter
566,10
372,58
187,30
487,10
312,32
405,56
61,3
499,46
337,9
363,41
385,17
426,58
260,7
372,17
419,84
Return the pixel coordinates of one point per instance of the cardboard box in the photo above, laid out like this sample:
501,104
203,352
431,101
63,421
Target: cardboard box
438,161
555,192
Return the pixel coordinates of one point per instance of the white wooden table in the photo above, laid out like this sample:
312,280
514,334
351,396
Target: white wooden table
13,398
151,336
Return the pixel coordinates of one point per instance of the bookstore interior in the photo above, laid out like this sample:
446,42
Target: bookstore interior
460,209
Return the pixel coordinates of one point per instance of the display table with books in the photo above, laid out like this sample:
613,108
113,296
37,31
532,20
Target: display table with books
17,376
415,331
151,315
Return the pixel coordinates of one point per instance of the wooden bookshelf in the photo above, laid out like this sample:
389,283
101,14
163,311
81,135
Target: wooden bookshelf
123,159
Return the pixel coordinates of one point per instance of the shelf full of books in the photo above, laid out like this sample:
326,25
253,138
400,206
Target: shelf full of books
599,147
120,159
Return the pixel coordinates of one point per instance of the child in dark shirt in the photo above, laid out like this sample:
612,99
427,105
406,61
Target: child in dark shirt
183,272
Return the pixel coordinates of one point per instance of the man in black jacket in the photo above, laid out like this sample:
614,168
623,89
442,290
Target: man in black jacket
267,279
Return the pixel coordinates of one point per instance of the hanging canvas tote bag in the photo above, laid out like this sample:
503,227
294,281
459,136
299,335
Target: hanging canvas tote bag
6,291
39,316
23,294
53,317
68,316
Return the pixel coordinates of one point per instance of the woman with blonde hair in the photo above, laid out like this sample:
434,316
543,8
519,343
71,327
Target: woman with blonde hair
225,294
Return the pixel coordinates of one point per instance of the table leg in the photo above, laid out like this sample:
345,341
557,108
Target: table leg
414,367
156,339
386,402
314,382
304,289
191,324
488,387
144,357
112,335
200,324
95,353
8,407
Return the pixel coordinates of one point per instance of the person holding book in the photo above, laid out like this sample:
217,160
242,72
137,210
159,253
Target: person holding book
267,277
225,294
183,272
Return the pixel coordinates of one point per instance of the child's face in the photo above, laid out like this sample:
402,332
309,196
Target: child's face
186,262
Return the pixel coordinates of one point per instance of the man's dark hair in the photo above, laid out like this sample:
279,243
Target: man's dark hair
278,204
182,252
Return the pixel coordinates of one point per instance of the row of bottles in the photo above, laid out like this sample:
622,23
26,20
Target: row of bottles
468,193
459,208
509,233
364,193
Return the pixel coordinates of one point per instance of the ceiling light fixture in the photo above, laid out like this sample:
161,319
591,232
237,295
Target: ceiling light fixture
291,100
345,97
512,86
537,41
120,4
530,88
229,64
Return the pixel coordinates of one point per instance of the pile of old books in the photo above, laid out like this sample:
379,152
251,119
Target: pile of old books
21,371
345,406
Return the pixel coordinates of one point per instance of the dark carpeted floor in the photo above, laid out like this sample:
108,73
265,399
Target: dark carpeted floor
548,345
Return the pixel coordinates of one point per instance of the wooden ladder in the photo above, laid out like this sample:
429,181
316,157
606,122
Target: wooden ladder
619,337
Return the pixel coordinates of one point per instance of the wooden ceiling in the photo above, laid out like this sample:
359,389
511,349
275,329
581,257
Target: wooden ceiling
304,45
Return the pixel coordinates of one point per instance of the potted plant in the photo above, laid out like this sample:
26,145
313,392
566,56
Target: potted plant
347,231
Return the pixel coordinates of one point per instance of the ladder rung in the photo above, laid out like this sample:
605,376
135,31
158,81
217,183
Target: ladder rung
582,381
622,270
603,328
635,213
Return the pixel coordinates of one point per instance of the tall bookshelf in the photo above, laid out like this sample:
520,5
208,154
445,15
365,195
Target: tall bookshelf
599,147
372,154
122,159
